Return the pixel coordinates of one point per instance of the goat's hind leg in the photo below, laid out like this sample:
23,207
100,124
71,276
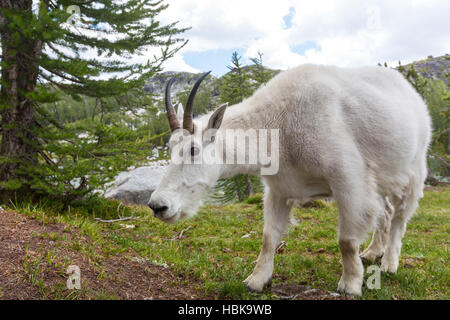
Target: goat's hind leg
405,206
380,236
276,219
359,205
404,209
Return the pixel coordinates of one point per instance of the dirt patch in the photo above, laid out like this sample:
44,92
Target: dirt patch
34,258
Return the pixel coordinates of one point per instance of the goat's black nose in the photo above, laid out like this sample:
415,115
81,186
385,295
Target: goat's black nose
157,210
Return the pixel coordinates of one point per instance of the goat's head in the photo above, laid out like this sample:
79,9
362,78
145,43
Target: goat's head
189,175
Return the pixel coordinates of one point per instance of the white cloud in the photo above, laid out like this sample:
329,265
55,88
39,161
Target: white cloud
345,33
348,33
225,24
177,63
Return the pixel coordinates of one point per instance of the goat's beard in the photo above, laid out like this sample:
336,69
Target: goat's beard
190,209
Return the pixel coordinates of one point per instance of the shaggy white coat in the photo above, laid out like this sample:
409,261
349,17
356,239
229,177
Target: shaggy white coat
359,135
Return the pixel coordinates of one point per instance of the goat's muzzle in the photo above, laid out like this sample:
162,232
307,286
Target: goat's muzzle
158,210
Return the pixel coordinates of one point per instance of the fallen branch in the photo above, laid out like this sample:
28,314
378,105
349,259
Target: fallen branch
180,236
291,297
117,220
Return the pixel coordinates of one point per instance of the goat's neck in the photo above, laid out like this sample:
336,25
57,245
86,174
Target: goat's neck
238,117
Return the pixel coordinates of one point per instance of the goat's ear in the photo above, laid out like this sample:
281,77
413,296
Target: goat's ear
180,113
216,118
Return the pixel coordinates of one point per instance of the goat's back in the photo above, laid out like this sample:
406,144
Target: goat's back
326,113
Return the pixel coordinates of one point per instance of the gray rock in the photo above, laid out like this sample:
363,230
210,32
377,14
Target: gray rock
185,80
432,67
136,186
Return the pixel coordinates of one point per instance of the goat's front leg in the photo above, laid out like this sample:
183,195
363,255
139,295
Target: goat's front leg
276,218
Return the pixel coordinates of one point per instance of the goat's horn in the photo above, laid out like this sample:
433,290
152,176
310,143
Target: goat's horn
171,114
187,118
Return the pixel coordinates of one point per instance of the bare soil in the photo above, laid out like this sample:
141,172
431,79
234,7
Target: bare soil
34,258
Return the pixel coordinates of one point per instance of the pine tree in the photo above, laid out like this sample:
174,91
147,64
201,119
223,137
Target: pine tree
82,48
234,88
260,74
417,81
235,85
437,97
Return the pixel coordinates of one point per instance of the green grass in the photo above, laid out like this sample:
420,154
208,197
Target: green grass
214,250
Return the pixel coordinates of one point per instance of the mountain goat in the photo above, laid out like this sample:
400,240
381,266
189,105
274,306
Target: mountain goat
359,135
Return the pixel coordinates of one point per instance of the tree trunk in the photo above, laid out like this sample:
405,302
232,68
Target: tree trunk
250,190
239,194
19,76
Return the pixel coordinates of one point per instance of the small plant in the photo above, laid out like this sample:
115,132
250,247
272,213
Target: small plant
256,199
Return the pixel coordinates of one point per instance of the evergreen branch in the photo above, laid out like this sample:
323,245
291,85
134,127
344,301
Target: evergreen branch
440,134
46,158
59,74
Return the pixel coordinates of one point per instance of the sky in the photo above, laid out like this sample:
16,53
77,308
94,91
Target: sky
294,32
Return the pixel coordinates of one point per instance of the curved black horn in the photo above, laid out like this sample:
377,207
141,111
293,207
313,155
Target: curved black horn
187,119
171,114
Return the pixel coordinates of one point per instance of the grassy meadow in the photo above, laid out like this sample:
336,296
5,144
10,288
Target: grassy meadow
220,245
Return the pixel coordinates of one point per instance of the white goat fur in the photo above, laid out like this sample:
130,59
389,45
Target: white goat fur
358,134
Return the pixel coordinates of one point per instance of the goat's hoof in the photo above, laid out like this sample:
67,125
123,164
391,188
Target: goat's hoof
254,284
352,288
370,255
389,265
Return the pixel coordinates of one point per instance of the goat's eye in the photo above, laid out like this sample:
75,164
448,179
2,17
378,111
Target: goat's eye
195,151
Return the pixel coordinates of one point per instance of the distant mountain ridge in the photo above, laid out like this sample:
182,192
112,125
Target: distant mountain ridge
184,81
437,68
431,68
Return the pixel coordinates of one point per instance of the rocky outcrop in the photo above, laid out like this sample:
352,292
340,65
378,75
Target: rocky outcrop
136,186
185,81
432,68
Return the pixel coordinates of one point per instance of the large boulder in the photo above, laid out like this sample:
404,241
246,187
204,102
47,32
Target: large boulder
136,186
